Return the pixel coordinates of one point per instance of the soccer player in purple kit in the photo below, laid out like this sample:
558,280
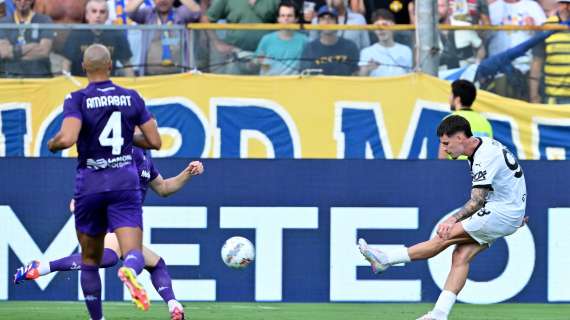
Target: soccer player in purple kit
101,119
154,264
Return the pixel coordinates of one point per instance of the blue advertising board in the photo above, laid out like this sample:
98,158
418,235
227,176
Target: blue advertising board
304,217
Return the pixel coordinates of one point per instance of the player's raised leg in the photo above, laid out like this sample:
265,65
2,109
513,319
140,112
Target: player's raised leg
382,260
162,282
38,268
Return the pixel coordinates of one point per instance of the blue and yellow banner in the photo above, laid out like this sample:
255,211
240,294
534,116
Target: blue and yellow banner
289,117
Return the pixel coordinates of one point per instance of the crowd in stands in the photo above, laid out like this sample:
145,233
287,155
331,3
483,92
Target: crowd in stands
43,52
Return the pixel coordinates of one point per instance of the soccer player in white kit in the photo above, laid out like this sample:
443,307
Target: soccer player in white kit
496,209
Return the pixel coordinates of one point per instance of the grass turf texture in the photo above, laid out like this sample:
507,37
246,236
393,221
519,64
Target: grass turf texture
46,310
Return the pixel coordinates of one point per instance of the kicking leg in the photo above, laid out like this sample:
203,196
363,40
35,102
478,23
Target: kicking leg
434,246
38,268
380,261
462,256
91,255
162,282
111,255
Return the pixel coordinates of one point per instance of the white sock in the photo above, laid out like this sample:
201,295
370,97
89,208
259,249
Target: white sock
398,256
43,268
444,303
174,303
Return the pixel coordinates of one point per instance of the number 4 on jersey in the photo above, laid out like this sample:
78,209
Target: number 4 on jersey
111,135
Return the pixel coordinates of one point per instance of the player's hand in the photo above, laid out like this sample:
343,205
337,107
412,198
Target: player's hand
51,146
72,205
195,168
444,228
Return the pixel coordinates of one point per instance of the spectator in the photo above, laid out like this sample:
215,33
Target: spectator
459,48
96,13
161,50
331,54
554,57
25,52
61,11
463,94
279,52
514,13
223,52
386,57
347,17
403,11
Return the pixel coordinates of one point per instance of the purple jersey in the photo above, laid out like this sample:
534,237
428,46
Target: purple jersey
146,170
108,115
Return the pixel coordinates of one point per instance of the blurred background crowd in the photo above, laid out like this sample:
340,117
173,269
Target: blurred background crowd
43,38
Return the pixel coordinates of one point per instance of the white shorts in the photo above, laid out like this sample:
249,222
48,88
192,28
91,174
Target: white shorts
485,227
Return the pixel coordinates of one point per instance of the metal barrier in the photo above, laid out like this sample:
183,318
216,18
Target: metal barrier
276,49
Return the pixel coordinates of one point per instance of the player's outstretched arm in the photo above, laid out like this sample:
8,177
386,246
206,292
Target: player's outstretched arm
67,135
166,187
477,201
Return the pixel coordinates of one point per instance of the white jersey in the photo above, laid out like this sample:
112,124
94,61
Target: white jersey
495,167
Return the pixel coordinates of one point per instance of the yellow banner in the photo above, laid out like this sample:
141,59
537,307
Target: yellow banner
289,117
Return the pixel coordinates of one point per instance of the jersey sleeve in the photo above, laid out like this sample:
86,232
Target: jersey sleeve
153,171
484,170
72,106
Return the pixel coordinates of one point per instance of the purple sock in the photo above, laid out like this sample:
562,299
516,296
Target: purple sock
73,262
134,259
161,280
91,286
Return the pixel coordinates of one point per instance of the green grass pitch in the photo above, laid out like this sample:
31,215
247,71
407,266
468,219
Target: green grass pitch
46,310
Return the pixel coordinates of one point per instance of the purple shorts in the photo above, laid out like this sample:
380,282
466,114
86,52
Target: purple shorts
99,212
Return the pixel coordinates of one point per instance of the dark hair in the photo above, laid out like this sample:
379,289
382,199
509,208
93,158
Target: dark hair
383,14
452,125
289,4
465,90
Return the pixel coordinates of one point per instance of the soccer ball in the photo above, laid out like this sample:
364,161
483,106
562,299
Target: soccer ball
238,252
